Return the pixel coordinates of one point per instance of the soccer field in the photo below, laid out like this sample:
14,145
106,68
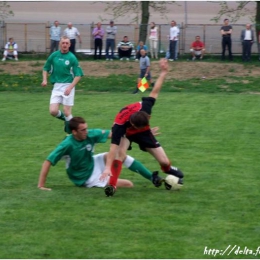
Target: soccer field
213,138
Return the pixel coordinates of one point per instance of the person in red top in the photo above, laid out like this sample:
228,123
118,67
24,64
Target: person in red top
197,48
132,125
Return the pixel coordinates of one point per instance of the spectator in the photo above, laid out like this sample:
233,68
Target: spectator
55,34
72,33
140,47
153,37
197,48
98,34
11,50
226,31
174,32
145,66
247,39
125,48
110,42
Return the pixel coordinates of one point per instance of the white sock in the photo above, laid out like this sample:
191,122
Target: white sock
128,161
67,118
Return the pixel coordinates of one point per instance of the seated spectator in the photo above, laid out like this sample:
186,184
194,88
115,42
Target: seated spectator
125,48
11,50
197,49
140,46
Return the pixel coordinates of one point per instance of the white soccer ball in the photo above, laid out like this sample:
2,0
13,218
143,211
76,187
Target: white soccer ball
172,183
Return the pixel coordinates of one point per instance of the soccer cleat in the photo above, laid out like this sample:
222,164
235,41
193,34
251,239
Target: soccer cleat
176,172
3,59
194,58
110,190
156,179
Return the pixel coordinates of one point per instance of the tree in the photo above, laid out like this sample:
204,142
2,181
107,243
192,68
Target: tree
140,9
5,11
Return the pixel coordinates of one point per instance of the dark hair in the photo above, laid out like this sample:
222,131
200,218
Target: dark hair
139,119
75,122
226,20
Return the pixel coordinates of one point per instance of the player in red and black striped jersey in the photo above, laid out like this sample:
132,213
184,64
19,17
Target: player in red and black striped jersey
132,125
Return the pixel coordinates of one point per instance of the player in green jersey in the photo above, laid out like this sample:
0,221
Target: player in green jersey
82,166
65,74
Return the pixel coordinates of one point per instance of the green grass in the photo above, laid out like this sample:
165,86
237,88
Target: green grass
211,133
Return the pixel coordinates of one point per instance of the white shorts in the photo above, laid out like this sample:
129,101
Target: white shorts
99,166
58,97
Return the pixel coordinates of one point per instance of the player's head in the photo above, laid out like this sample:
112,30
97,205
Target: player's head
64,44
142,52
139,119
79,128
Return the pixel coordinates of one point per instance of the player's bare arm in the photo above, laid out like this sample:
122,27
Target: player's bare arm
44,78
158,84
72,85
43,175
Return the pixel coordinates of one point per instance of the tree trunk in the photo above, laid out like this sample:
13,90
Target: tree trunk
144,21
257,22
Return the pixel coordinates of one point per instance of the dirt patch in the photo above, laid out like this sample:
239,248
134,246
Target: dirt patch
178,70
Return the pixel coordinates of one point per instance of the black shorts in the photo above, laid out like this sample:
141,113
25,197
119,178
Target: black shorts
144,140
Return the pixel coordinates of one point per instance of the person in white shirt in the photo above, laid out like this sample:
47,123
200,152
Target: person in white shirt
153,37
174,32
72,33
247,40
11,49
111,31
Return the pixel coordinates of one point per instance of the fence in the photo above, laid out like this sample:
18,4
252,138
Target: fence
34,37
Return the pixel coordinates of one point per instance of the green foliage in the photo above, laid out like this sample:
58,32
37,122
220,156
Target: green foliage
213,138
5,11
234,14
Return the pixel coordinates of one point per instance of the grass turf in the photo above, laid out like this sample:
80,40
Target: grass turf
213,138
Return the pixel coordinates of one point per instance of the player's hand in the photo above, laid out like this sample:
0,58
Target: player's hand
67,91
155,130
43,188
44,83
164,65
105,174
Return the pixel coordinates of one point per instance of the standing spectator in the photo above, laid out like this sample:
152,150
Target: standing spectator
226,31
140,47
174,32
125,48
98,34
55,34
247,39
197,48
11,49
145,66
110,41
153,37
65,74
177,44
72,33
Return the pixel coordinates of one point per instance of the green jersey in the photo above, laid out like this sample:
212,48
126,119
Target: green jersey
63,67
80,154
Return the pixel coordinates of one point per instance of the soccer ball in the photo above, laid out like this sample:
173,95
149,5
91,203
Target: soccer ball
172,182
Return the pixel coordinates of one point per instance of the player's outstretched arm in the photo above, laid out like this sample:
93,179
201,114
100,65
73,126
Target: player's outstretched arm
158,84
43,175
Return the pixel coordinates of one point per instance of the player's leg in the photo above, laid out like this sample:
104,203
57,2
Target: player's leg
68,102
160,155
136,166
99,166
55,102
